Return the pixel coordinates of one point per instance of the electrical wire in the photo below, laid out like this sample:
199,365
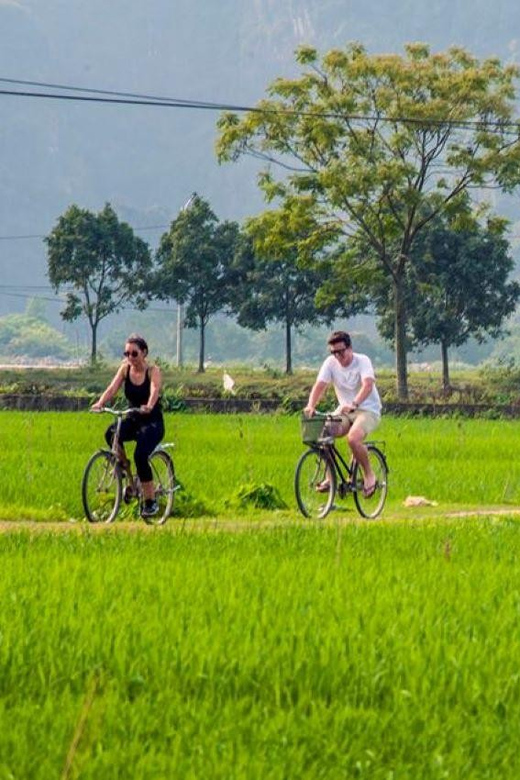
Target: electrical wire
41,235
131,98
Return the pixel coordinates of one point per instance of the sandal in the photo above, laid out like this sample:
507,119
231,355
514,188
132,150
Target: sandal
369,492
323,487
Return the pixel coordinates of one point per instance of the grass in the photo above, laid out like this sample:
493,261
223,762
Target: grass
371,650
288,650
458,463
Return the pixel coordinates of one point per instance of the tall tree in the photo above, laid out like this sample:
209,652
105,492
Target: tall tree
375,146
107,266
193,264
458,286
272,290
273,283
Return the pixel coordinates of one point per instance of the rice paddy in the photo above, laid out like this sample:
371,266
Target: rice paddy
254,644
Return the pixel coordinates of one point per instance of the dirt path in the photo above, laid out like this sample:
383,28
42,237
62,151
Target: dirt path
179,525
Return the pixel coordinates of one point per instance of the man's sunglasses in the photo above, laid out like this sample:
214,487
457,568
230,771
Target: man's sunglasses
131,353
338,351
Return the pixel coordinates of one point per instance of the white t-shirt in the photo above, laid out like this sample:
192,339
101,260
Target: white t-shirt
347,381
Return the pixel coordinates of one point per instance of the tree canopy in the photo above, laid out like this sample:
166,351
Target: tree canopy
192,265
457,287
106,265
370,148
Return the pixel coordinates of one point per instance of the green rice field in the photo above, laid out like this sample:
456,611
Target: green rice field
458,463
377,650
241,644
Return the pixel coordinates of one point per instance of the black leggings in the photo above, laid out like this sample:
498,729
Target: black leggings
146,434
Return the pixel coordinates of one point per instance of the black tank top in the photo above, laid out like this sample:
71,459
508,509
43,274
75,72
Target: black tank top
137,395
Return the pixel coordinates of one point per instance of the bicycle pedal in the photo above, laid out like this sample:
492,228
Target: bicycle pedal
129,494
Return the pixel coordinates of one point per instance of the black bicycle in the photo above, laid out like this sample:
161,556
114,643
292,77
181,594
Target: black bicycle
322,474
107,480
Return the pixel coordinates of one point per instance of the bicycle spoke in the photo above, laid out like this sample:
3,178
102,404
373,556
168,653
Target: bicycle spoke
101,488
370,506
315,483
164,484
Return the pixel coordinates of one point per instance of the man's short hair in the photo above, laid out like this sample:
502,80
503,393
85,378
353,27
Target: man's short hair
340,335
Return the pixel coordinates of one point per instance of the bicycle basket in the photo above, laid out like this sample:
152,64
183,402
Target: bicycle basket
312,429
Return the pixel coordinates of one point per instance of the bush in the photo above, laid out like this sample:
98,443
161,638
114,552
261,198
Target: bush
258,496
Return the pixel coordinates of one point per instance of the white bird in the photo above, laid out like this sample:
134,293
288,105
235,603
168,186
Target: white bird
229,383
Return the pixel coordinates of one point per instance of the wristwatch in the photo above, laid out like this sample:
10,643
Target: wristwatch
354,404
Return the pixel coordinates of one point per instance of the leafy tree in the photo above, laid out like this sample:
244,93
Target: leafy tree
104,262
272,285
371,148
458,286
192,265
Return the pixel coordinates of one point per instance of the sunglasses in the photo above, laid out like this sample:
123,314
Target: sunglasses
338,351
131,353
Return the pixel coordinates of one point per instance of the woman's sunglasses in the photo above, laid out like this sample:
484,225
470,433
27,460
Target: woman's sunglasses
131,353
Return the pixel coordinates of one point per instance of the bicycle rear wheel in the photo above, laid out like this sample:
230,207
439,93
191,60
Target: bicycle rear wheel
164,484
313,469
101,488
373,506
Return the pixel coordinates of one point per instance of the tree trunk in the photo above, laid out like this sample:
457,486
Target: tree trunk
202,346
445,368
93,348
288,348
400,341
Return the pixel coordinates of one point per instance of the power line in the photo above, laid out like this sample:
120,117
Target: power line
43,235
138,95
131,98
57,299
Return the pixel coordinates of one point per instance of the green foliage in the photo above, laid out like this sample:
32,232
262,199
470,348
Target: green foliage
192,265
269,285
28,336
262,496
434,125
458,285
187,505
106,265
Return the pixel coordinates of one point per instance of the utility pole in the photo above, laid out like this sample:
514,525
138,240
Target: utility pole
180,307
180,326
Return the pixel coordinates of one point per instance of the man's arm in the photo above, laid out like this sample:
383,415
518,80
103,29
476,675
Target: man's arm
314,397
364,391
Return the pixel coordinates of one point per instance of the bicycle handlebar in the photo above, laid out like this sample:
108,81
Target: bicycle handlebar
116,412
325,416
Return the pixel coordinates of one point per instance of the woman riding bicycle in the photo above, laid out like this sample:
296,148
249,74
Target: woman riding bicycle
142,387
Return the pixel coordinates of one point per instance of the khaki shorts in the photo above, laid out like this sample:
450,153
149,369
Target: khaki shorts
367,421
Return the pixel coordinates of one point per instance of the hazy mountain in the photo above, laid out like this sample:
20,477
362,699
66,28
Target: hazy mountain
146,161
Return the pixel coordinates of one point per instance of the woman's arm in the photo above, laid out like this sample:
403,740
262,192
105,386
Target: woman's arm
111,390
155,389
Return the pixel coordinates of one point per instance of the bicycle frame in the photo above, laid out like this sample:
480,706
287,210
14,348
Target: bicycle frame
343,470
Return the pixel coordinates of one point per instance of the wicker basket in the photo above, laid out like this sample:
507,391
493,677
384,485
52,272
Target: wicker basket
312,429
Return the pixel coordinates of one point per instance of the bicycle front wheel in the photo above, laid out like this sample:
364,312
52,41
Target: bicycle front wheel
371,507
164,484
101,488
315,483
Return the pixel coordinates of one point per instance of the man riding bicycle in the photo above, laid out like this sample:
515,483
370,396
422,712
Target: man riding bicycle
352,376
